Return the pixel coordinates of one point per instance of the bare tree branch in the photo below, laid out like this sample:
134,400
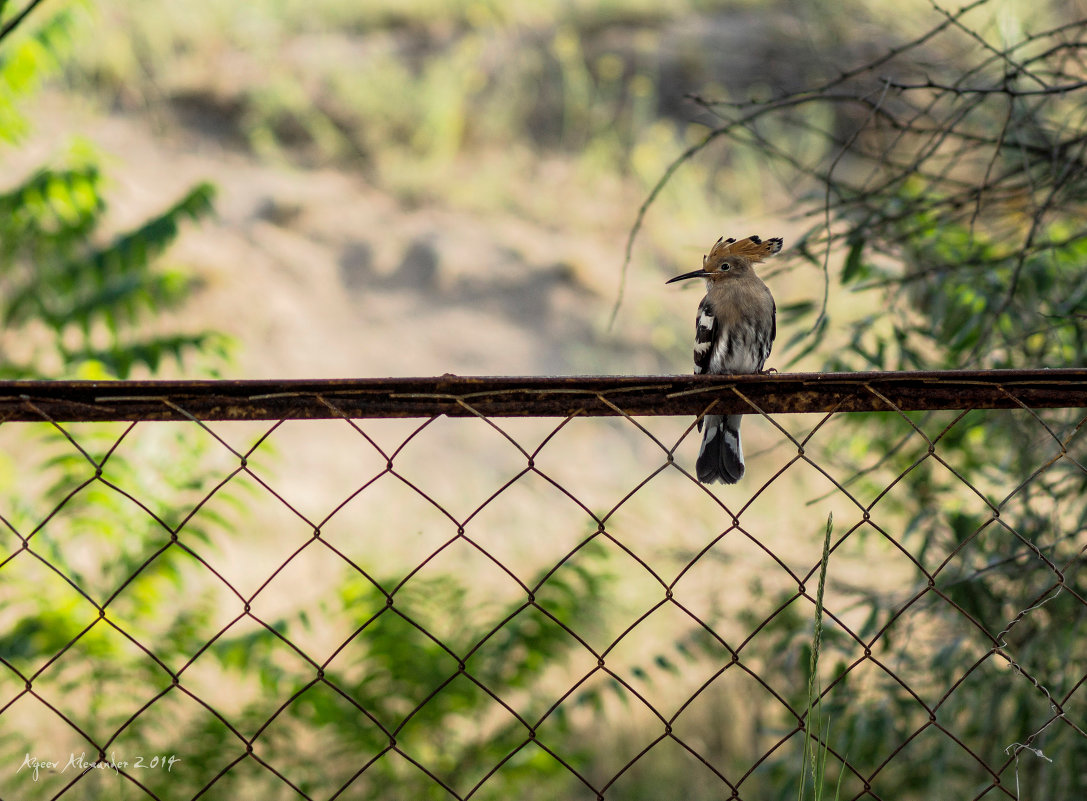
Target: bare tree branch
944,165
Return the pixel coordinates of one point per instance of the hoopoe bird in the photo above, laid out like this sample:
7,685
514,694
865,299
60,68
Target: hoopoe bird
734,331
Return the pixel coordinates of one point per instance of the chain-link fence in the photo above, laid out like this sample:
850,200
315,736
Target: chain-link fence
494,588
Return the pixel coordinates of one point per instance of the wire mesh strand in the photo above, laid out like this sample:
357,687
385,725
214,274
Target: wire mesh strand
537,734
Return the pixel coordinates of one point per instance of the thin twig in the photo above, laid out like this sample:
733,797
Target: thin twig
18,19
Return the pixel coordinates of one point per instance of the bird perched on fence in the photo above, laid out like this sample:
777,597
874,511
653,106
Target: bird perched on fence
734,330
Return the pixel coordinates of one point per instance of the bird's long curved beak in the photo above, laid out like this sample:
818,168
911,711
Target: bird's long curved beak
692,274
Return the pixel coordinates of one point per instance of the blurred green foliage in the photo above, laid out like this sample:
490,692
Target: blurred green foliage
90,298
82,562
430,100
960,296
392,698
70,303
973,265
1003,550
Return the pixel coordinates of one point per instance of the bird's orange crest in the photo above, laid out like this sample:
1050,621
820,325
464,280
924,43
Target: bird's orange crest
752,248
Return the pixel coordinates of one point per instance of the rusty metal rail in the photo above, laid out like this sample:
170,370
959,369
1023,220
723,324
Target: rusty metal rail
539,396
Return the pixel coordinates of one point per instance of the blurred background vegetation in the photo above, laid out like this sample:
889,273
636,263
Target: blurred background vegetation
287,189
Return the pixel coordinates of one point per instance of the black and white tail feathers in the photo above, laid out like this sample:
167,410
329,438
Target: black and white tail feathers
721,458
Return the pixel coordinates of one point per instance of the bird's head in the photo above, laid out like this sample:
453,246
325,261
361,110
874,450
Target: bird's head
729,259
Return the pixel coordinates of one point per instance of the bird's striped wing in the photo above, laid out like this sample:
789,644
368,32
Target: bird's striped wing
705,333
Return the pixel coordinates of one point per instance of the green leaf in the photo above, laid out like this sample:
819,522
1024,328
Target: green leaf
854,267
793,311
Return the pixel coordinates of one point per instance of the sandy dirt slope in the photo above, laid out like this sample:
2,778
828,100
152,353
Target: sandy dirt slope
318,274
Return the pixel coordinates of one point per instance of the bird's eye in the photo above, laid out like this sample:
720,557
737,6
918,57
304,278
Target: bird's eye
726,267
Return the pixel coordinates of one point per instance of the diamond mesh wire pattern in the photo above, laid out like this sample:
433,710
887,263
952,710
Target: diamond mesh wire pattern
547,607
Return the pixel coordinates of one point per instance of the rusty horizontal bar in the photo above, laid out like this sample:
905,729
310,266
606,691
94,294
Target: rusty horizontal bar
537,396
